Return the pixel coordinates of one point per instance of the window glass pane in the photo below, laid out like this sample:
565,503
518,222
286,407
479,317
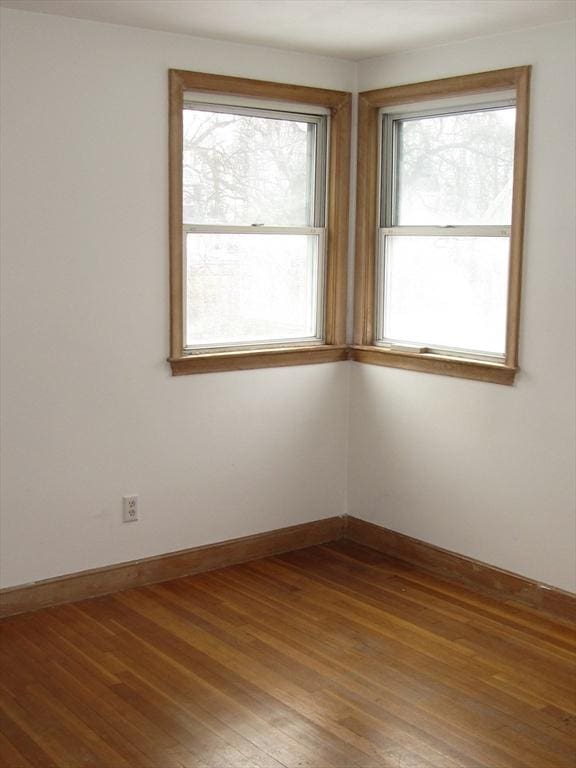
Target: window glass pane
243,170
455,169
446,291
249,288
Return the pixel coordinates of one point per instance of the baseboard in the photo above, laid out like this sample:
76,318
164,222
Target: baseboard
481,577
113,578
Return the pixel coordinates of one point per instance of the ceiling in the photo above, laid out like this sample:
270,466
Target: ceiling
348,29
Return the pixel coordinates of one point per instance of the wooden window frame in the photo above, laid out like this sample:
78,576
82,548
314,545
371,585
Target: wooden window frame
337,211
367,203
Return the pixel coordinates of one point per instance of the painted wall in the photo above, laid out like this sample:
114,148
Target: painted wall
481,469
90,410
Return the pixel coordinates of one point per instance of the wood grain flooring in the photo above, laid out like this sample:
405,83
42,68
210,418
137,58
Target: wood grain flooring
334,656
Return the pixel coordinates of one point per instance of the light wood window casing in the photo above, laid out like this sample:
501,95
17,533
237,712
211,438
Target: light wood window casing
333,344
371,104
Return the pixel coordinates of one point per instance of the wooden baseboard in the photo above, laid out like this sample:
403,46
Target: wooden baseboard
113,578
481,577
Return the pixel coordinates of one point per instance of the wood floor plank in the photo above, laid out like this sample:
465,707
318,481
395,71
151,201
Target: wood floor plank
10,755
331,657
259,706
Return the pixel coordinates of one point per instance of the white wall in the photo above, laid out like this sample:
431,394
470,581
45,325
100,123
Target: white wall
90,410
481,469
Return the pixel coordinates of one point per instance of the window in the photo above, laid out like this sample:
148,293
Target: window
438,288
259,203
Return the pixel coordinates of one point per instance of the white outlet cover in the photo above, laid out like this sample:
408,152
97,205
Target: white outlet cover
130,512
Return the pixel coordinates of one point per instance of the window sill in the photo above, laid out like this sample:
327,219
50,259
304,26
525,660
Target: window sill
444,365
257,358
496,373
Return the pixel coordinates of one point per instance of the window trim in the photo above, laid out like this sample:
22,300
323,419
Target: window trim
336,226
370,104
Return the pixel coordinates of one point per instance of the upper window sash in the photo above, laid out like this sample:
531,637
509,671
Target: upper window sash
318,117
389,154
314,196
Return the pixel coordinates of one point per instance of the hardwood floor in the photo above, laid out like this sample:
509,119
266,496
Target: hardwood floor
329,657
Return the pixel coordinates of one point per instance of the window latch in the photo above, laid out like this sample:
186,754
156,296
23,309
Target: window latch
408,348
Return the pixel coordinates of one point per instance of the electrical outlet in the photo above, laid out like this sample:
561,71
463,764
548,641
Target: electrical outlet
129,509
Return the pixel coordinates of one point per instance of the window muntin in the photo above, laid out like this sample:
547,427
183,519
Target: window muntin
445,215
254,197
